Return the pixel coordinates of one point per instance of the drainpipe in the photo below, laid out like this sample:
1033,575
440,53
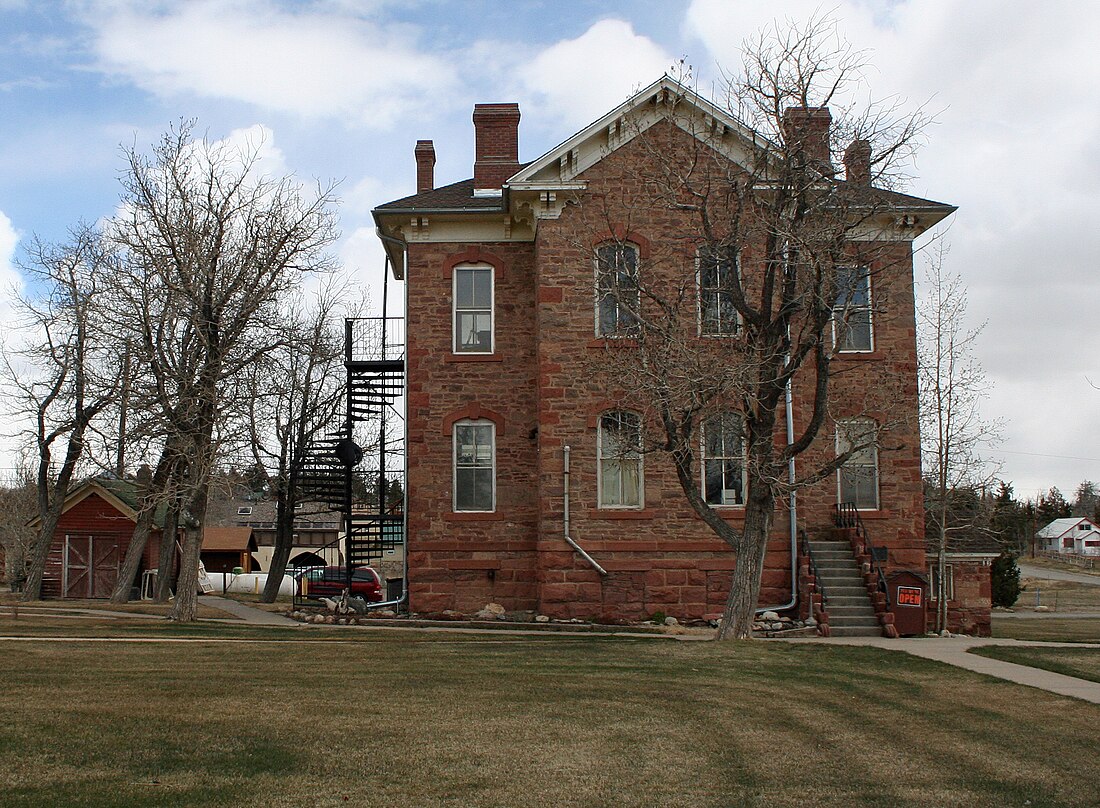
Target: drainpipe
565,520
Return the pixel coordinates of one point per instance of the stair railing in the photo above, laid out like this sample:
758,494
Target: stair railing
847,516
819,588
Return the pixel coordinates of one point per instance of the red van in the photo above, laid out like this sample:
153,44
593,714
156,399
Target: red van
330,582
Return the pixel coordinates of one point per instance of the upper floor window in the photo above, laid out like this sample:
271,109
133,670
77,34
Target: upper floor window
718,269
852,326
474,466
857,479
473,309
723,460
618,298
619,459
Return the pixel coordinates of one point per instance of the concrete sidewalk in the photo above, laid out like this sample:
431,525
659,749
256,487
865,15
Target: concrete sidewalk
954,651
249,614
236,613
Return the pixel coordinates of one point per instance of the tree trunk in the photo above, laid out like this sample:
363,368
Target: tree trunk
40,552
941,601
187,584
127,574
166,566
737,619
284,543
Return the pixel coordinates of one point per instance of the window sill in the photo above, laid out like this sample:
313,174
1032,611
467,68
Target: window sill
473,358
613,342
858,356
473,516
623,513
874,514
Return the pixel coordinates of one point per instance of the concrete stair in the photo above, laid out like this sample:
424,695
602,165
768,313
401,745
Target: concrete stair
851,612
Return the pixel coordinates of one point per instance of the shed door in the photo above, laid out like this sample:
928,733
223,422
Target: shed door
91,566
104,566
77,567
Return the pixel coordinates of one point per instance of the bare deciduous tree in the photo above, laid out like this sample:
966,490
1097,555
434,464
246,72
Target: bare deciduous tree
65,373
952,386
209,249
294,395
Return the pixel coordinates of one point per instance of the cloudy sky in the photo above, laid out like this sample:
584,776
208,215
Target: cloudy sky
341,89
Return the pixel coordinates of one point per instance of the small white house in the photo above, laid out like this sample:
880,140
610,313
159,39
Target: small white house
1074,535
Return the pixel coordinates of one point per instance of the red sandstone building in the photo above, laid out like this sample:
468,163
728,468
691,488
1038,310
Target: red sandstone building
512,497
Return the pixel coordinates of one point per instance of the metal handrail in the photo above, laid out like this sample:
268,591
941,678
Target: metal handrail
372,339
819,588
847,516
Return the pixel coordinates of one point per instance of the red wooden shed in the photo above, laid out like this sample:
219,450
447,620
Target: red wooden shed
91,539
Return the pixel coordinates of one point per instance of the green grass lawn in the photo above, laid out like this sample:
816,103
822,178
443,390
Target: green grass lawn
439,719
1084,663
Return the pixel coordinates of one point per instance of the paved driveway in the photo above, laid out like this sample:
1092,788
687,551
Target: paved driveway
1034,571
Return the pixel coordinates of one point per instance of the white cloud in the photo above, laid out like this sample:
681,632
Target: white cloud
574,81
11,281
316,61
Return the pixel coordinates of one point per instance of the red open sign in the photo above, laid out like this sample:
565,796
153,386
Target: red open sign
909,596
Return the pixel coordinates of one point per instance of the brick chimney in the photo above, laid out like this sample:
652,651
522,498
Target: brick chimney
807,129
425,165
496,144
857,163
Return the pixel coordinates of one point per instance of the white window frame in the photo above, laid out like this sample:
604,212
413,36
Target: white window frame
614,294
701,254
244,510
456,345
842,443
600,483
459,425
843,312
704,458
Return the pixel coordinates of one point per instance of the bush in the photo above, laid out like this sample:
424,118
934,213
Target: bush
1006,580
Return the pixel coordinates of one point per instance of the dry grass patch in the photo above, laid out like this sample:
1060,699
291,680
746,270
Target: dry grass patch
1083,663
1047,629
1060,596
387,718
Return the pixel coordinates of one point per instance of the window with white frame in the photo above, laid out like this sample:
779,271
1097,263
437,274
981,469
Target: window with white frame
618,298
857,478
718,268
475,466
852,326
619,460
473,309
723,460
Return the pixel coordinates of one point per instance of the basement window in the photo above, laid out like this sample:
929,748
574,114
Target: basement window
244,510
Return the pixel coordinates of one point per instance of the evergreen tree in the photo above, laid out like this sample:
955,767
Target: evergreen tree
1006,580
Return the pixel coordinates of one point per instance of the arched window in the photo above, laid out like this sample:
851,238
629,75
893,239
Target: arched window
618,298
857,479
723,460
474,465
619,459
473,309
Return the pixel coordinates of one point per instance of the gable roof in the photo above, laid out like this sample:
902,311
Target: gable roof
1060,527
608,133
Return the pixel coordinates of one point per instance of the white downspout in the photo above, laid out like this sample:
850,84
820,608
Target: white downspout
565,520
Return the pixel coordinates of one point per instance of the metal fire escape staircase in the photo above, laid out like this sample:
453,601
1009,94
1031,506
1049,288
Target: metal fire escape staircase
358,470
